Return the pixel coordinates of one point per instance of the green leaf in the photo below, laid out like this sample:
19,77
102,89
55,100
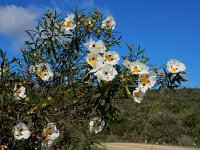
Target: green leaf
96,96
30,123
141,51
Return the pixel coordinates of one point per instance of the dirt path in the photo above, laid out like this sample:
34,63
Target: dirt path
133,146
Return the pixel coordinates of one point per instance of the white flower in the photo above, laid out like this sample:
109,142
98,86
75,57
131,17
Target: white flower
44,71
96,125
138,95
108,23
95,60
111,57
68,23
51,132
147,81
21,131
175,66
106,73
139,68
127,64
32,69
97,47
19,91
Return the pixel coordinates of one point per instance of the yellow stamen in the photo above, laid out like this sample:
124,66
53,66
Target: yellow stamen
67,24
92,62
136,94
47,131
144,79
107,24
95,123
173,69
17,92
109,58
42,74
136,69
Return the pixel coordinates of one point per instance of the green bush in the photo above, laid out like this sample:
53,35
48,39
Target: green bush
163,127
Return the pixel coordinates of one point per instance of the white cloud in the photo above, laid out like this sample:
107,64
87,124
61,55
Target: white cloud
14,20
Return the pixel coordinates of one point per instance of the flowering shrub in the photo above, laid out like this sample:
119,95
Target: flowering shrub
62,92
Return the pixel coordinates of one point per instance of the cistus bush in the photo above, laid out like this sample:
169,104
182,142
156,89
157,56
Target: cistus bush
62,93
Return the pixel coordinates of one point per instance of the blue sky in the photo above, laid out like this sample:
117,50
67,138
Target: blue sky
165,28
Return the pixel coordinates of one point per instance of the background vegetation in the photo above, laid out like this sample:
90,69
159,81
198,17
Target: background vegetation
164,118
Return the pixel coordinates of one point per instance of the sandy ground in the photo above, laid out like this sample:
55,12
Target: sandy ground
133,146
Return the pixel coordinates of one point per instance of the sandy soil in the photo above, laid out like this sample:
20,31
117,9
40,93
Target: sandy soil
133,146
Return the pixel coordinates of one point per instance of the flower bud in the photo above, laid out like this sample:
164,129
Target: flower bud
98,31
131,46
49,98
55,75
161,74
7,108
84,15
96,11
27,99
23,50
34,54
82,20
49,13
74,68
44,105
7,84
155,67
60,24
144,59
63,60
